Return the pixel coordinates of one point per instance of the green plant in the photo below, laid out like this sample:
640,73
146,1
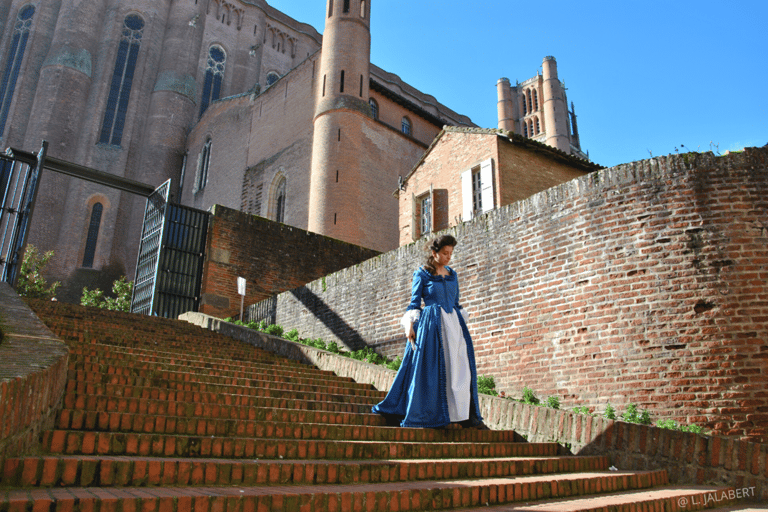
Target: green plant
583,409
529,397
395,364
486,385
122,289
634,415
292,335
31,282
274,330
333,347
673,425
610,412
553,402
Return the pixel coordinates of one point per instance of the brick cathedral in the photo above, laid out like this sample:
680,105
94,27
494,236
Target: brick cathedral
237,104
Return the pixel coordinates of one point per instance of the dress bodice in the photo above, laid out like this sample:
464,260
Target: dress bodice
442,291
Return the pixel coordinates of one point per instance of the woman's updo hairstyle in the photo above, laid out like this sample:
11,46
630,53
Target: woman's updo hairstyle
435,245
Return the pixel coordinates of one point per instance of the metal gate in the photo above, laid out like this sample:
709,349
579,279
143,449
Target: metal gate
169,269
19,178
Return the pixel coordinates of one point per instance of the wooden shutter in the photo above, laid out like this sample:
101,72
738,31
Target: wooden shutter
466,195
486,180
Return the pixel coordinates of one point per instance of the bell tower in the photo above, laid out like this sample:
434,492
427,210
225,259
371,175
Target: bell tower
342,198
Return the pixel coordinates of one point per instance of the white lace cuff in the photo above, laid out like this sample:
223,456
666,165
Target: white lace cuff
410,316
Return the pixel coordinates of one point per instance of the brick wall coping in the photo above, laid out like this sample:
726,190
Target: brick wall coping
33,373
689,458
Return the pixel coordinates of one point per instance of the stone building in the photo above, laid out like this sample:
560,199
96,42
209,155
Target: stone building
235,102
469,171
538,109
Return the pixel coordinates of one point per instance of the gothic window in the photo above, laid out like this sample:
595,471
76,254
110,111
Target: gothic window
374,108
341,89
525,110
13,65
525,129
530,127
346,6
122,80
405,126
272,78
93,235
214,75
538,126
280,202
330,7
528,97
535,101
203,166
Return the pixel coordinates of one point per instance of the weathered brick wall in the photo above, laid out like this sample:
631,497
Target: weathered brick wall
33,376
271,257
643,283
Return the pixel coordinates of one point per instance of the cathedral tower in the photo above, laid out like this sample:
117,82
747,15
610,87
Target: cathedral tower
506,105
555,107
341,202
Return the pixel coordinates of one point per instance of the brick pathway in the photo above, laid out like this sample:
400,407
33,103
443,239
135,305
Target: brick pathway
163,416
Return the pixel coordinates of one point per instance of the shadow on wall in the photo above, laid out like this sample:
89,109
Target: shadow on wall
329,318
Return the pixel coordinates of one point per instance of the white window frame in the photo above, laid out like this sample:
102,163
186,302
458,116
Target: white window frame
487,195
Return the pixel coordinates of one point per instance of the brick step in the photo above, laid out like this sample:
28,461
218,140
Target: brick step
67,442
248,369
675,498
139,471
274,379
189,404
140,387
153,354
154,423
90,395
381,497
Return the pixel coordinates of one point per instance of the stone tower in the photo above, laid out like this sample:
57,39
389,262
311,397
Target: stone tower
339,202
555,107
538,109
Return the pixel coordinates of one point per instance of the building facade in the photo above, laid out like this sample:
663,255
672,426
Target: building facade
235,102
467,172
538,109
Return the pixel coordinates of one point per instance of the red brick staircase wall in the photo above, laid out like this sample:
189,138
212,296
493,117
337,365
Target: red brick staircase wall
162,415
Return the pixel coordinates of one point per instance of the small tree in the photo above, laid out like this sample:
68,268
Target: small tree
31,282
122,290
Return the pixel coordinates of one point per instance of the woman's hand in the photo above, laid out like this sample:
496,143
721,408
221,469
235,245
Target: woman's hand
412,337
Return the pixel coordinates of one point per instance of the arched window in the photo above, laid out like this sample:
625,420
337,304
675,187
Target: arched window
525,129
535,101
346,6
12,66
525,110
374,108
93,235
280,202
272,78
528,97
203,166
330,7
214,75
538,126
530,127
362,8
122,80
405,126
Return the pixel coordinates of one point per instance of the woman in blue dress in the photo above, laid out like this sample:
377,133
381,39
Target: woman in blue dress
436,384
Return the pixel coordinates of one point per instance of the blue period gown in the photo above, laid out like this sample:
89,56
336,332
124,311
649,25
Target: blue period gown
437,382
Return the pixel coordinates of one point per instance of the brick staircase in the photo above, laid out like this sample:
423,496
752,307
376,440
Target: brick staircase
163,416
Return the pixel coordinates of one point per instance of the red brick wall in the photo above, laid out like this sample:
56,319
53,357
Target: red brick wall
32,378
521,169
271,257
643,283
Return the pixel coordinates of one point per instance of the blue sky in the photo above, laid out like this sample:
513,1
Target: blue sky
645,77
